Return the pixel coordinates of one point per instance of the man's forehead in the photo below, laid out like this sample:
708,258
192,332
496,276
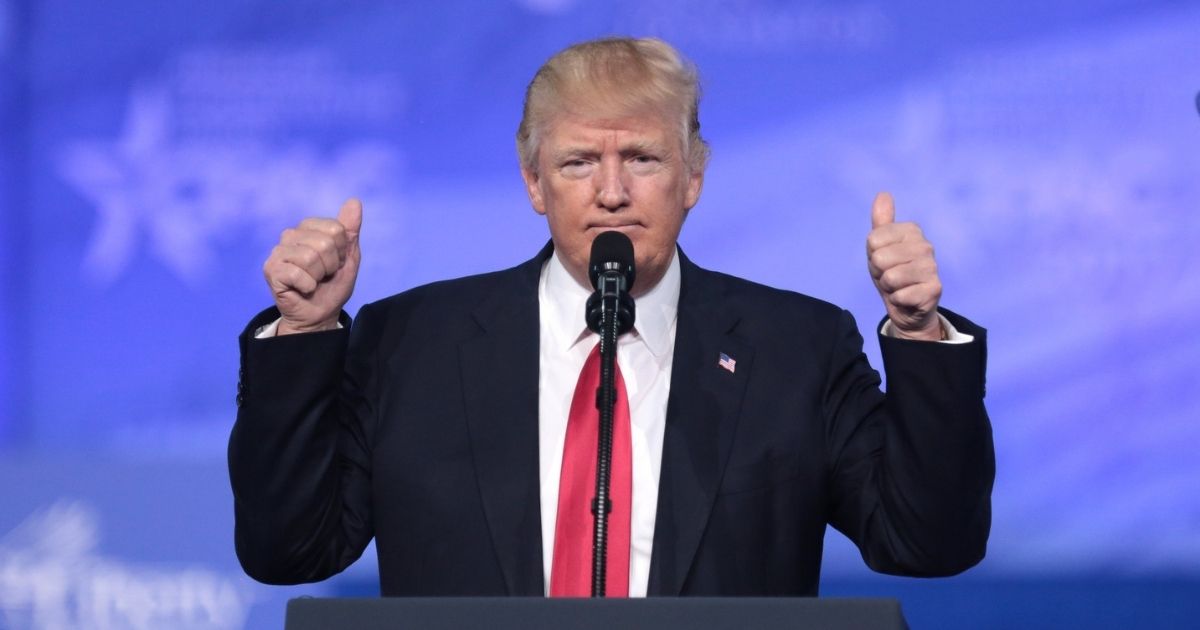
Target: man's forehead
638,128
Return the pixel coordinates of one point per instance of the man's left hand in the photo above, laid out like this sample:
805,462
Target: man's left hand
901,263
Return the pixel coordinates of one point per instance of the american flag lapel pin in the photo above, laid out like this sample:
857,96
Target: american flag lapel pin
727,362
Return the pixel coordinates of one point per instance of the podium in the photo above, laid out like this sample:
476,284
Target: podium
658,613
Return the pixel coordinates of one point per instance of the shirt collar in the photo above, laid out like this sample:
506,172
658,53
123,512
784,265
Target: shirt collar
563,301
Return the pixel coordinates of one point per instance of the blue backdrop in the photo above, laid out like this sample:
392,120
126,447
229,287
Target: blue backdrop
150,154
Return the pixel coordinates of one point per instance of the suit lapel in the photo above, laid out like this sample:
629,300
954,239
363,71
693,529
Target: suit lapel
500,389
702,414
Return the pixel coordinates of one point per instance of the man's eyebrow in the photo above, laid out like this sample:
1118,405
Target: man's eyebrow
573,151
645,146
633,147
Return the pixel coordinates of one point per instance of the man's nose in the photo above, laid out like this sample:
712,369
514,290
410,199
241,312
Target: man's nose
611,191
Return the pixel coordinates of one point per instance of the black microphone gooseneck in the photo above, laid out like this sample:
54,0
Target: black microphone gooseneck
610,312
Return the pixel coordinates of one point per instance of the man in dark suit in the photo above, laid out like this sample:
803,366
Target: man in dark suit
436,422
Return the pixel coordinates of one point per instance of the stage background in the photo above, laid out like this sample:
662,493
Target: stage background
151,152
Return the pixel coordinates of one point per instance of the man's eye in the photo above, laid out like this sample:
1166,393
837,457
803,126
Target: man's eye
575,168
645,163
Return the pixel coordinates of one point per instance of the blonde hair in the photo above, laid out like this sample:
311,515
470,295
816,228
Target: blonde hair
617,75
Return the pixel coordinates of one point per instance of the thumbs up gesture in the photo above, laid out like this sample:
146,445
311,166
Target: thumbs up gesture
311,272
901,264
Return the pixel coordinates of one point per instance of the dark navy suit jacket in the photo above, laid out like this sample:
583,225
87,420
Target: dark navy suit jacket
418,425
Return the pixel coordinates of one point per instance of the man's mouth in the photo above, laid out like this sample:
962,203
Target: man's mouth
621,227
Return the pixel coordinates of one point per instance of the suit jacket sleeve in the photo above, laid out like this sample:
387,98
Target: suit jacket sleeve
912,470
299,452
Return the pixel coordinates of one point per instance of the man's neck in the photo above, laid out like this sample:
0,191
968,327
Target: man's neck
642,285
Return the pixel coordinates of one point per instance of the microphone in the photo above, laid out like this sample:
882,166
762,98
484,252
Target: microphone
612,273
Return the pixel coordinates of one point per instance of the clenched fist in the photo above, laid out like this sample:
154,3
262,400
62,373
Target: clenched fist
905,273
311,272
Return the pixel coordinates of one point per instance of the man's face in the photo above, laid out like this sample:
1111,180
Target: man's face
628,174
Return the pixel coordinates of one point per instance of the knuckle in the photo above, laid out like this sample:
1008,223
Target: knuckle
309,257
888,279
303,281
327,247
274,267
322,225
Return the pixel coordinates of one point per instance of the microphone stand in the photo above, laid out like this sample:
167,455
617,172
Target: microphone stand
610,312
606,398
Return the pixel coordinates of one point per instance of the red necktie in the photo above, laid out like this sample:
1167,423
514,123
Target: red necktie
571,573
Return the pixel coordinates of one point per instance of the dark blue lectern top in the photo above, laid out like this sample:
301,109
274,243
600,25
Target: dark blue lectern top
658,613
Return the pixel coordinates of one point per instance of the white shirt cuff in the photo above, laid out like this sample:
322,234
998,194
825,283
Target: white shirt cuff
952,333
272,329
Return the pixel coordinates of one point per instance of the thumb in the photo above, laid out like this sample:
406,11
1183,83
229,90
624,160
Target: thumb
883,211
350,216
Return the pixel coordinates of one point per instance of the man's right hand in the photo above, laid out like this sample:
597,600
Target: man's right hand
311,272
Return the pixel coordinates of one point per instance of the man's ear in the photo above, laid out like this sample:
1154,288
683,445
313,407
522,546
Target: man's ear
695,184
533,189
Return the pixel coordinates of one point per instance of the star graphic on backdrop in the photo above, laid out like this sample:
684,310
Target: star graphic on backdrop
181,197
125,180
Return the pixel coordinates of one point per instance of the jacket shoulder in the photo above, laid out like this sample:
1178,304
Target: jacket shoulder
450,306
755,300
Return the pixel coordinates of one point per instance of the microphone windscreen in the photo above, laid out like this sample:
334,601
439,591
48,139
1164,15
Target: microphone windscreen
611,250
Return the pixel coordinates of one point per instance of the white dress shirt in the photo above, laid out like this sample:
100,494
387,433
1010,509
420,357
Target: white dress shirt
644,356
